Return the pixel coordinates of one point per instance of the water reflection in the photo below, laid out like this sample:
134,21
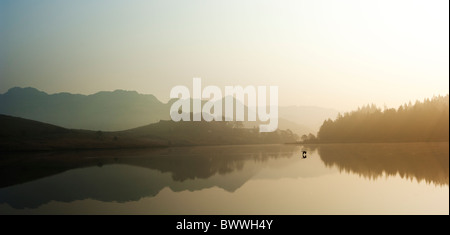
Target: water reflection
129,175
183,163
420,161
31,180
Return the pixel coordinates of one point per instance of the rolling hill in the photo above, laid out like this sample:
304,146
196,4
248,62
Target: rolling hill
27,135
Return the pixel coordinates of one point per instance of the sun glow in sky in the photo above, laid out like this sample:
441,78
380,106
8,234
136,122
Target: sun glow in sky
337,54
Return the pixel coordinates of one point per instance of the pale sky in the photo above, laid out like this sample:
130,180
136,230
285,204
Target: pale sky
330,53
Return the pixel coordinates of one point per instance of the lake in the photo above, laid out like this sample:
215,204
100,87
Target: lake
407,178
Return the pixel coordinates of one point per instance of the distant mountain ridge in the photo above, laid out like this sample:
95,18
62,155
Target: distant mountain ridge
121,110
108,111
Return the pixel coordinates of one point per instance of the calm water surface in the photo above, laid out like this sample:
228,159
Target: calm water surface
408,178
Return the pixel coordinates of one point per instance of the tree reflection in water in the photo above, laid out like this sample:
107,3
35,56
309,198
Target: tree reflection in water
420,161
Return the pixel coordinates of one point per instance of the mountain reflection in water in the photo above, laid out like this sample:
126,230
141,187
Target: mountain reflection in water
31,180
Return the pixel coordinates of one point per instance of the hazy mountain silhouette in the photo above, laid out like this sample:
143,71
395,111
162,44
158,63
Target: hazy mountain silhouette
121,110
310,117
117,110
